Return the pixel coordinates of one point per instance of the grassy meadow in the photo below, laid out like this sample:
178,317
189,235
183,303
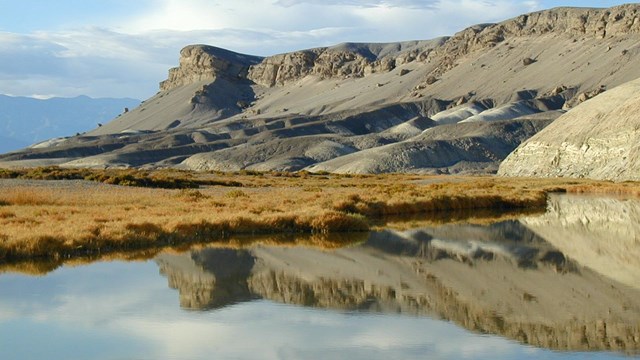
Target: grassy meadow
135,213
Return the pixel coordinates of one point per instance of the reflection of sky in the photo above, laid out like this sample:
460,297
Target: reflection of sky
126,311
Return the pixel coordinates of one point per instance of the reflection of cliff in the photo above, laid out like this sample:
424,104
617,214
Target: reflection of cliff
501,279
600,233
210,278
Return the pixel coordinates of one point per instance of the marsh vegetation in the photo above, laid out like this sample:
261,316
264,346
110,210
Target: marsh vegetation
70,219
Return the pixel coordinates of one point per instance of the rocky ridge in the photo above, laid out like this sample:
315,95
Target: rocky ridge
358,60
341,61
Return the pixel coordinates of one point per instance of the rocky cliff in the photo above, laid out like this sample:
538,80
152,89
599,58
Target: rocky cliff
202,62
583,24
348,60
357,60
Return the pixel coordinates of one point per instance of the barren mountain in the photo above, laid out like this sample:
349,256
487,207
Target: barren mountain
452,104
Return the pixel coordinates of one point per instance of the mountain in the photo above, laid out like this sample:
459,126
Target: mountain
25,121
598,139
456,104
9,144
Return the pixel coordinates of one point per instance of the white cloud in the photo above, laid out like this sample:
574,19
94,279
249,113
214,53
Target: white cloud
411,4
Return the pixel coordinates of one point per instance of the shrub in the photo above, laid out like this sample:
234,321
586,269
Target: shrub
339,222
145,232
8,174
54,173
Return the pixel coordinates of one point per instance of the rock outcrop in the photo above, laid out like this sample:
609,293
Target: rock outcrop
348,60
357,60
203,62
570,22
598,139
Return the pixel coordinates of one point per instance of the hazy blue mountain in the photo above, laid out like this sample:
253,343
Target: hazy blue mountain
8,144
24,120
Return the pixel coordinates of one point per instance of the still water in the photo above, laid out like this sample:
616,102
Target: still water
563,285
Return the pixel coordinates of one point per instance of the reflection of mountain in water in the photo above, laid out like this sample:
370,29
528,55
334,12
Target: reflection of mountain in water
600,233
500,279
209,278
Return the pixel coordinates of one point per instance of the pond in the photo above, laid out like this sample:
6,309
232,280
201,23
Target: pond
562,285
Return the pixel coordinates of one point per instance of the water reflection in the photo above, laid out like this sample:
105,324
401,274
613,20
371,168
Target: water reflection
602,234
501,279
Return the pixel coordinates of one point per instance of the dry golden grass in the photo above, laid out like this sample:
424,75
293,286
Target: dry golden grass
76,221
470,216
21,196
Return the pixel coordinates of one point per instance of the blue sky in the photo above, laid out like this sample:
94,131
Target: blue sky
123,48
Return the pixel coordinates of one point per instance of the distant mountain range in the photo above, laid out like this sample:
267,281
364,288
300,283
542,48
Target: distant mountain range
25,121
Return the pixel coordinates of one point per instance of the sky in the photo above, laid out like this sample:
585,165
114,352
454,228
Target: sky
124,48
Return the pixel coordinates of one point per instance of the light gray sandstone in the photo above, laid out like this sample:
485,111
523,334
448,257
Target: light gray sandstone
598,139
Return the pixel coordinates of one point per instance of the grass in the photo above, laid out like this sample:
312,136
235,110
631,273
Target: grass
76,221
167,179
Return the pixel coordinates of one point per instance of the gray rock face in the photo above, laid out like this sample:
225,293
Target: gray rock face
598,139
357,60
203,62
348,60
